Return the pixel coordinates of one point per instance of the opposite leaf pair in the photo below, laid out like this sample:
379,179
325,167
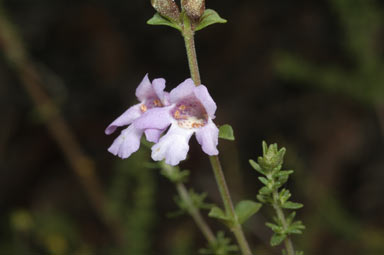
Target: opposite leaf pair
187,109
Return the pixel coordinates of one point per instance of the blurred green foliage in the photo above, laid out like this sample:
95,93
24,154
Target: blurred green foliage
131,200
360,23
132,197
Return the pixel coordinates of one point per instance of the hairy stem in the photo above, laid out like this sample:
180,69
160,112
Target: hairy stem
189,40
280,215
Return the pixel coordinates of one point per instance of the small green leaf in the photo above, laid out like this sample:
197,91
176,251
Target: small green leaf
284,195
276,239
275,228
285,172
157,19
198,200
263,180
256,166
226,132
294,231
262,198
292,205
291,217
282,176
218,213
245,209
296,226
209,17
221,246
265,191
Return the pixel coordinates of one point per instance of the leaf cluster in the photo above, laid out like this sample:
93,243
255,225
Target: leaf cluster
197,200
173,173
281,232
222,246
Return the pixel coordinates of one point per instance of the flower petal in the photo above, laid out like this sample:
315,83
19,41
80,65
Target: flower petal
201,92
124,119
155,118
173,147
208,138
166,100
158,87
153,135
127,142
145,89
183,90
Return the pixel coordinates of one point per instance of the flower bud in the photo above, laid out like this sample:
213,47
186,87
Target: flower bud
272,157
194,8
167,8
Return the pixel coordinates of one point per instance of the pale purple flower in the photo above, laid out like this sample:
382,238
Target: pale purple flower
191,111
151,96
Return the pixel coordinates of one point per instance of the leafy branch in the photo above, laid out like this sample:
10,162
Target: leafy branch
274,178
191,202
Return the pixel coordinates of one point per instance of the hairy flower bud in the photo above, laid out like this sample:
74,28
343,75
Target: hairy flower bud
194,8
167,8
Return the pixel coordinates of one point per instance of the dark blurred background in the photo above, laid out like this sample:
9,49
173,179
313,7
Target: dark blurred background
308,75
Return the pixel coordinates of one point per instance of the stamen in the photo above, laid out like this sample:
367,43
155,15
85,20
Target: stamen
197,125
143,108
157,103
177,114
182,107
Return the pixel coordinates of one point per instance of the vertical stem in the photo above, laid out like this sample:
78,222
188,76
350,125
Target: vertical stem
189,40
280,215
188,35
226,197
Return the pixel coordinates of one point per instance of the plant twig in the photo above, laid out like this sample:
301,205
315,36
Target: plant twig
280,215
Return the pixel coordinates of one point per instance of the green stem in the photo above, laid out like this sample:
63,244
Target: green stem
189,40
188,35
280,215
226,197
195,214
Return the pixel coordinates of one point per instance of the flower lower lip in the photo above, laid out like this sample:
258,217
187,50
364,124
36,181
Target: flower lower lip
191,122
